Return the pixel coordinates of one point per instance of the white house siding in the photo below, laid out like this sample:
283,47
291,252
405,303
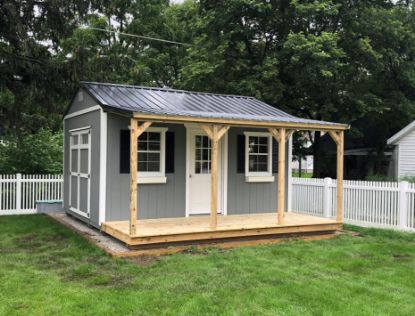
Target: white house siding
406,157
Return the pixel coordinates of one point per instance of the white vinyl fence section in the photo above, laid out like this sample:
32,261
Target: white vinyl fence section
366,203
19,192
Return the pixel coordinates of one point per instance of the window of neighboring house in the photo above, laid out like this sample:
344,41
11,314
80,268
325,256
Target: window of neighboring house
258,157
151,155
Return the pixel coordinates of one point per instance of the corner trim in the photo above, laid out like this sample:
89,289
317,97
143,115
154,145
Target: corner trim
103,167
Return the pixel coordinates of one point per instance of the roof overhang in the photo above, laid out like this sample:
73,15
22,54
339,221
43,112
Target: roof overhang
402,133
240,122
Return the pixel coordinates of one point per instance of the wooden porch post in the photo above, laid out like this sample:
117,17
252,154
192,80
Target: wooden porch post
338,138
135,132
281,177
215,133
281,135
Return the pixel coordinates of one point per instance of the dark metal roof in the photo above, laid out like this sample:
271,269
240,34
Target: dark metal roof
186,103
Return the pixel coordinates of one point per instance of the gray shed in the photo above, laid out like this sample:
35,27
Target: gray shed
195,153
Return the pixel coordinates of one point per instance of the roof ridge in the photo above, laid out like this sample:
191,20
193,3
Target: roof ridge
164,89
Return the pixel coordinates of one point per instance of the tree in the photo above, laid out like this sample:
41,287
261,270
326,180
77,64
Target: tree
333,60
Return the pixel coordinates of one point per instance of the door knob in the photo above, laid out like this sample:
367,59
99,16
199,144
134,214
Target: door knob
190,175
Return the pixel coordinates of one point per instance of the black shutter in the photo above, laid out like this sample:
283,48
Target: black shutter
125,151
240,154
169,152
274,156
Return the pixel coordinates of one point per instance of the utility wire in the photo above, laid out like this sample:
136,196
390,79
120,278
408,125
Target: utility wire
141,36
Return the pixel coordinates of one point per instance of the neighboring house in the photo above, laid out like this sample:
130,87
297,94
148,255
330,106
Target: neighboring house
197,154
403,157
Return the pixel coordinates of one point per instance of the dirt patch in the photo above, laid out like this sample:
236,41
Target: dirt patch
350,233
144,260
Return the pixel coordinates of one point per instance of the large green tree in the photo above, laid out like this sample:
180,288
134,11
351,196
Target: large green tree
335,60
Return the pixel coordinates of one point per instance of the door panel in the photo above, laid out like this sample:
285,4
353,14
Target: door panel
74,190
199,177
80,177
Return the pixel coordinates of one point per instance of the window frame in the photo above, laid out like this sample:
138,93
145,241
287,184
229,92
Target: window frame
261,176
154,176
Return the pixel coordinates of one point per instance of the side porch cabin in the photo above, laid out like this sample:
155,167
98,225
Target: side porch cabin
151,166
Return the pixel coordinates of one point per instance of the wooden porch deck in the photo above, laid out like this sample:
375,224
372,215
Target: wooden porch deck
196,228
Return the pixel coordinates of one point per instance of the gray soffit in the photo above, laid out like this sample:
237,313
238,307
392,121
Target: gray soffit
190,104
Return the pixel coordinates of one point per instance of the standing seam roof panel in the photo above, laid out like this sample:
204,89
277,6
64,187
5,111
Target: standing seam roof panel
194,104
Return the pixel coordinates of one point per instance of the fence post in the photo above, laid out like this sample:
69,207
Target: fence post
18,192
403,208
326,197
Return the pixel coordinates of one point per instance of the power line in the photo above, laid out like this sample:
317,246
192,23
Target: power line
141,36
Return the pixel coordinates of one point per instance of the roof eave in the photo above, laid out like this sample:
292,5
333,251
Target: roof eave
402,133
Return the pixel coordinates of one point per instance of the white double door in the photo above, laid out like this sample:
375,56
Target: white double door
199,172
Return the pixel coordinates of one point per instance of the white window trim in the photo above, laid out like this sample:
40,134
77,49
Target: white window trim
156,177
258,176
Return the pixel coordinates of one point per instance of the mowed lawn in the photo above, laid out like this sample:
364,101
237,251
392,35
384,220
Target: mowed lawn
45,269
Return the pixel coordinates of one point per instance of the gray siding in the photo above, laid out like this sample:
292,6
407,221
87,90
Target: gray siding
247,197
406,155
91,119
81,101
154,200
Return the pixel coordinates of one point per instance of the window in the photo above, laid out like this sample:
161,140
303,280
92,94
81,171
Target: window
202,154
258,156
151,155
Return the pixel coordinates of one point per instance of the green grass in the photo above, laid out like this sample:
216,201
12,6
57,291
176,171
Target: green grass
303,174
45,269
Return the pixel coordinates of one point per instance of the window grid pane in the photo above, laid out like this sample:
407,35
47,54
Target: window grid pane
149,152
202,154
258,153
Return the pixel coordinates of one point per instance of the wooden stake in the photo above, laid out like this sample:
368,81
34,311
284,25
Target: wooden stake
215,133
135,132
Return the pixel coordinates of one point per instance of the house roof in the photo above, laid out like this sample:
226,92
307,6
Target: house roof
161,101
402,133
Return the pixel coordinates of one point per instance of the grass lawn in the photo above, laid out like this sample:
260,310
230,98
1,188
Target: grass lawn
45,269
303,174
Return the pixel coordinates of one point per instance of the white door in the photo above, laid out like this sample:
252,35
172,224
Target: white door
80,171
199,176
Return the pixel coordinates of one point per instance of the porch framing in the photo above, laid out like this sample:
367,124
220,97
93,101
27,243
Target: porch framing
216,129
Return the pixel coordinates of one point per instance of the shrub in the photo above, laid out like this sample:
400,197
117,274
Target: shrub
410,179
41,152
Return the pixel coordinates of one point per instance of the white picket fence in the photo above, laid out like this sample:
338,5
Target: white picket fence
366,203
19,192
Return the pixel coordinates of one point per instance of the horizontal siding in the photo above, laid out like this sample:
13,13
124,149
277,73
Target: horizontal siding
407,155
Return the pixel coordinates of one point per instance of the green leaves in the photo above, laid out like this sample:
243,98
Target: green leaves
41,152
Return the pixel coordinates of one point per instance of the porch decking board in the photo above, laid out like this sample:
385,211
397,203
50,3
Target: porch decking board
197,228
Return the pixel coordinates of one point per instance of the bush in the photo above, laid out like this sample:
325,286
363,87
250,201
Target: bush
377,177
410,179
34,153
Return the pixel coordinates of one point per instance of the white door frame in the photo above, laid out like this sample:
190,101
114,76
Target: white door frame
78,174
192,128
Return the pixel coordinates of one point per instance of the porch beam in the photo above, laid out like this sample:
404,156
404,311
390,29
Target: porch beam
135,132
338,138
215,133
281,135
239,122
